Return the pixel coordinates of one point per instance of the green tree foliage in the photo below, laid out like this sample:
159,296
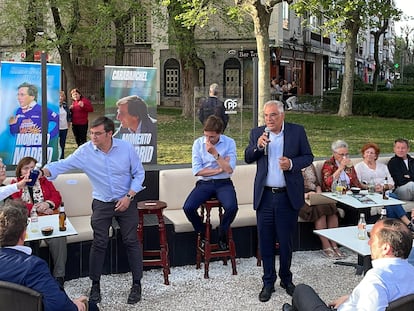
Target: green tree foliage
199,12
345,18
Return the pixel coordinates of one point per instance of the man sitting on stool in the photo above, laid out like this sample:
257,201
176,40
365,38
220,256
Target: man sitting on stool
214,159
389,279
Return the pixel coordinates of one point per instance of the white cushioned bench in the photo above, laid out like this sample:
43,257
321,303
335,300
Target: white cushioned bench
176,184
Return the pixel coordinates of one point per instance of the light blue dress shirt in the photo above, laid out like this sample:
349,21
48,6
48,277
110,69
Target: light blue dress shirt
201,159
275,176
388,280
112,174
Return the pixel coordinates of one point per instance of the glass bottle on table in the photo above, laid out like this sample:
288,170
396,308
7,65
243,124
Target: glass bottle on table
62,217
362,227
385,189
383,213
34,220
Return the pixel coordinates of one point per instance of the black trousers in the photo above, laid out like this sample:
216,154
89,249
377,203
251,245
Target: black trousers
80,131
306,299
128,222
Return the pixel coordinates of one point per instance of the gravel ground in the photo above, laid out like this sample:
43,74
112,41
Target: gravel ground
188,290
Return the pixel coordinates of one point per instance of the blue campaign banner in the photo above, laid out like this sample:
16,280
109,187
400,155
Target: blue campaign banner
131,101
21,108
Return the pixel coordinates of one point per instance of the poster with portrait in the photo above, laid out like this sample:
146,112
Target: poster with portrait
131,101
21,111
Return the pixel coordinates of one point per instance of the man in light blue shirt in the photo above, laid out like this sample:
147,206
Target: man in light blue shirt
389,279
213,161
116,174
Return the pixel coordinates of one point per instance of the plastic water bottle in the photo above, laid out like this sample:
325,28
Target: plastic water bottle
362,227
34,220
34,174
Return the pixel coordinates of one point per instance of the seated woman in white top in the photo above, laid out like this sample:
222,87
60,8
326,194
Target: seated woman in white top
370,170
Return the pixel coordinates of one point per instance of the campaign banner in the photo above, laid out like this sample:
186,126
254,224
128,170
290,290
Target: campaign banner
21,111
131,101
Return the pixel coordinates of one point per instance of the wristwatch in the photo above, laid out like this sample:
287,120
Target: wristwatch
217,156
130,197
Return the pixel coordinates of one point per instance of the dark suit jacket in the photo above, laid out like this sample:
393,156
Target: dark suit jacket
33,272
399,171
296,147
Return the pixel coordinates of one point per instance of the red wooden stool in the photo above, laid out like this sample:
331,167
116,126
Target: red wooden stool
212,250
154,207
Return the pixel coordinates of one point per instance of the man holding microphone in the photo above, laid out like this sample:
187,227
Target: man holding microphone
281,150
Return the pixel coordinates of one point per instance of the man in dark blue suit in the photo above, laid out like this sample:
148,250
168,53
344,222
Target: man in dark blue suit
281,150
18,266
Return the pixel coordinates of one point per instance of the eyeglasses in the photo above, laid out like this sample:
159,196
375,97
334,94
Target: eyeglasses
2,167
97,134
344,155
272,115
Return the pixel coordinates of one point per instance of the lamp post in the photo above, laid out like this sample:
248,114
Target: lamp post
45,121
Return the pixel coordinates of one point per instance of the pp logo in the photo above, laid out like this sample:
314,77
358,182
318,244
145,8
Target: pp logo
230,105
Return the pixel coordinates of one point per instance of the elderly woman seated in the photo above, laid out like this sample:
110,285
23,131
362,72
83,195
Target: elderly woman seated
323,215
339,167
369,170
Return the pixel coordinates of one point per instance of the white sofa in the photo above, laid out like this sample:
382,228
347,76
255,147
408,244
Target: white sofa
176,184
174,187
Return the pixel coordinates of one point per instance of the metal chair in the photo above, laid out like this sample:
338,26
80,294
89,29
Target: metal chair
15,297
405,303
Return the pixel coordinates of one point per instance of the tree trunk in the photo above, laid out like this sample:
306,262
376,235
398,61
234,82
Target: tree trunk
190,76
345,105
64,37
31,30
261,20
119,49
182,38
68,69
377,62
377,35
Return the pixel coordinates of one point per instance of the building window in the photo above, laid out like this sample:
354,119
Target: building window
138,29
201,77
231,78
172,78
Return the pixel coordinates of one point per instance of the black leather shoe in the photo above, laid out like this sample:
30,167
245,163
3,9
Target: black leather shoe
95,295
135,294
287,307
266,293
290,288
222,240
222,243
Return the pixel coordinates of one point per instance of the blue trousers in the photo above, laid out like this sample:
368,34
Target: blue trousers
395,211
276,222
223,190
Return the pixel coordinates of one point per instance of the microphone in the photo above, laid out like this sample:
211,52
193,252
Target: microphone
267,131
